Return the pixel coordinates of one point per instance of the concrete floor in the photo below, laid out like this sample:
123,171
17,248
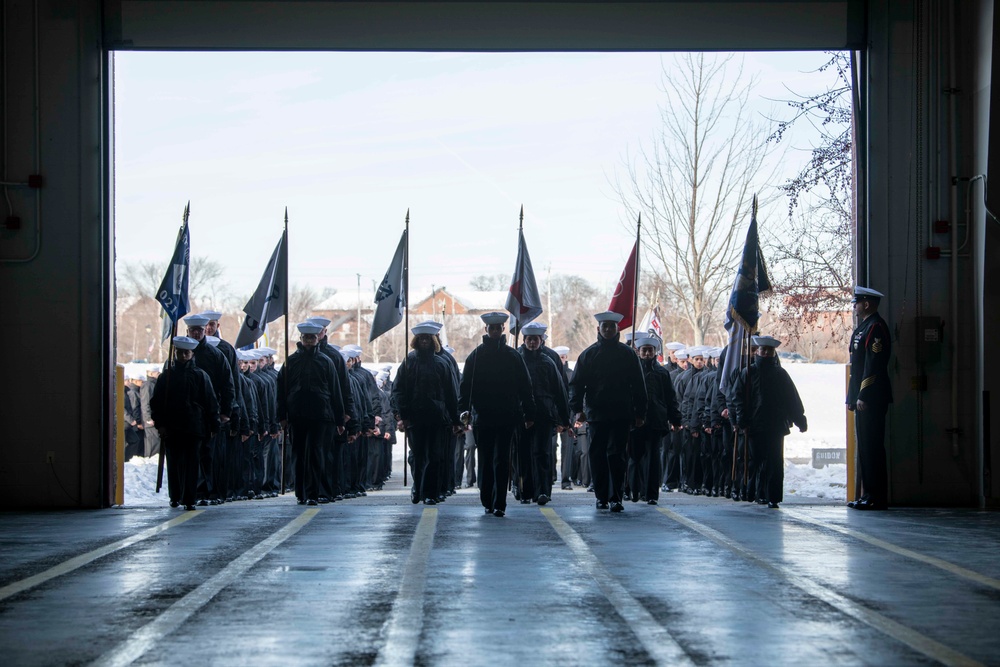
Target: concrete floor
380,581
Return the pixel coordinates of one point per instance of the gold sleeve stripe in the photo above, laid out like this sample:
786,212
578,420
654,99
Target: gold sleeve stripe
868,382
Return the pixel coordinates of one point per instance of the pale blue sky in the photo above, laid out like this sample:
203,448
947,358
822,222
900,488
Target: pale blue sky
349,141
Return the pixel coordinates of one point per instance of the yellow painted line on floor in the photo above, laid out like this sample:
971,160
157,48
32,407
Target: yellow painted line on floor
655,639
77,562
148,635
910,637
957,570
406,621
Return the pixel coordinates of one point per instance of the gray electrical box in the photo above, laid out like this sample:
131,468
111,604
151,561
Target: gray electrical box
930,336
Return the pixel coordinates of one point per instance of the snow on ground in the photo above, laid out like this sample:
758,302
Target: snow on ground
821,388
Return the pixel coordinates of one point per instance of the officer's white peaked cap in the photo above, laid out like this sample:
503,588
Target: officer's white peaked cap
494,318
866,292
308,327
765,341
608,316
185,343
196,320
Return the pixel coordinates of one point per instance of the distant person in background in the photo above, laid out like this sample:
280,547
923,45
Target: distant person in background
868,396
150,434
133,418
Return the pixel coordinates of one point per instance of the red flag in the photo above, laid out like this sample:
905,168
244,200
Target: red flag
624,297
523,302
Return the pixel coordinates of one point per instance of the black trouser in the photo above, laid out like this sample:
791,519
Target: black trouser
183,460
309,435
494,443
724,462
745,482
644,464
608,442
707,459
869,427
586,475
207,450
672,446
535,460
766,450
427,446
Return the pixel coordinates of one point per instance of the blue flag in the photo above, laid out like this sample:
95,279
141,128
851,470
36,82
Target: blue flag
390,298
269,301
752,282
173,292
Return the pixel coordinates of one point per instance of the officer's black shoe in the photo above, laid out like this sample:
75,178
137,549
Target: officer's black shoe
650,502
413,497
311,502
542,499
430,501
202,503
189,508
174,503
617,507
602,505
773,505
498,513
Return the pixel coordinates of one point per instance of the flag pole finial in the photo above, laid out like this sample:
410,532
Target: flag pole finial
521,223
286,216
407,216
187,212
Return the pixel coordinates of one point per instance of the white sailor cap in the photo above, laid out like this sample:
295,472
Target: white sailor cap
866,293
212,315
715,352
352,346
387,368
534,329
424,328
185,343
308,327
350,354
765,341
267,351
212,340
647,339
437,325
630,335
243,355
494,317
196,320
320,320
681,354
609,316
561,350
696,351
674,345
382,376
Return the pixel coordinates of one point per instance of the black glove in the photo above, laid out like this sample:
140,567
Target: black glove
802,424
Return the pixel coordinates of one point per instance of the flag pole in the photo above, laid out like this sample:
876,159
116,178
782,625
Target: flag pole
288,430
520,232
170,355
406,332
635,287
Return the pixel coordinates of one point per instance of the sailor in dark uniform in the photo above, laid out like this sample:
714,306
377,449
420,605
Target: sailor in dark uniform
186,413
645,472
608,391
227,461
766,402
869,395
496,394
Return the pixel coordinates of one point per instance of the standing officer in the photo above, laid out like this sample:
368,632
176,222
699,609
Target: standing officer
608,392
496,390
765,401
186,414
868,396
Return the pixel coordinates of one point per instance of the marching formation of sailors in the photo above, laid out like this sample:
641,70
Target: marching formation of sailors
624,424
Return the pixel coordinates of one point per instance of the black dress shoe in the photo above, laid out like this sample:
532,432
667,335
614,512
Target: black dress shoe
590,489
174,503
853,504
602,505
498,513
413,497
773,505
525,501
650,502
489,511
542,499
202,503
189,508
617,507
323,500
567,487
311,502
430,501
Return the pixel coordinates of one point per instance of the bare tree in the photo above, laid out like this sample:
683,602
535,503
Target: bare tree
811,256
490,283
694,185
